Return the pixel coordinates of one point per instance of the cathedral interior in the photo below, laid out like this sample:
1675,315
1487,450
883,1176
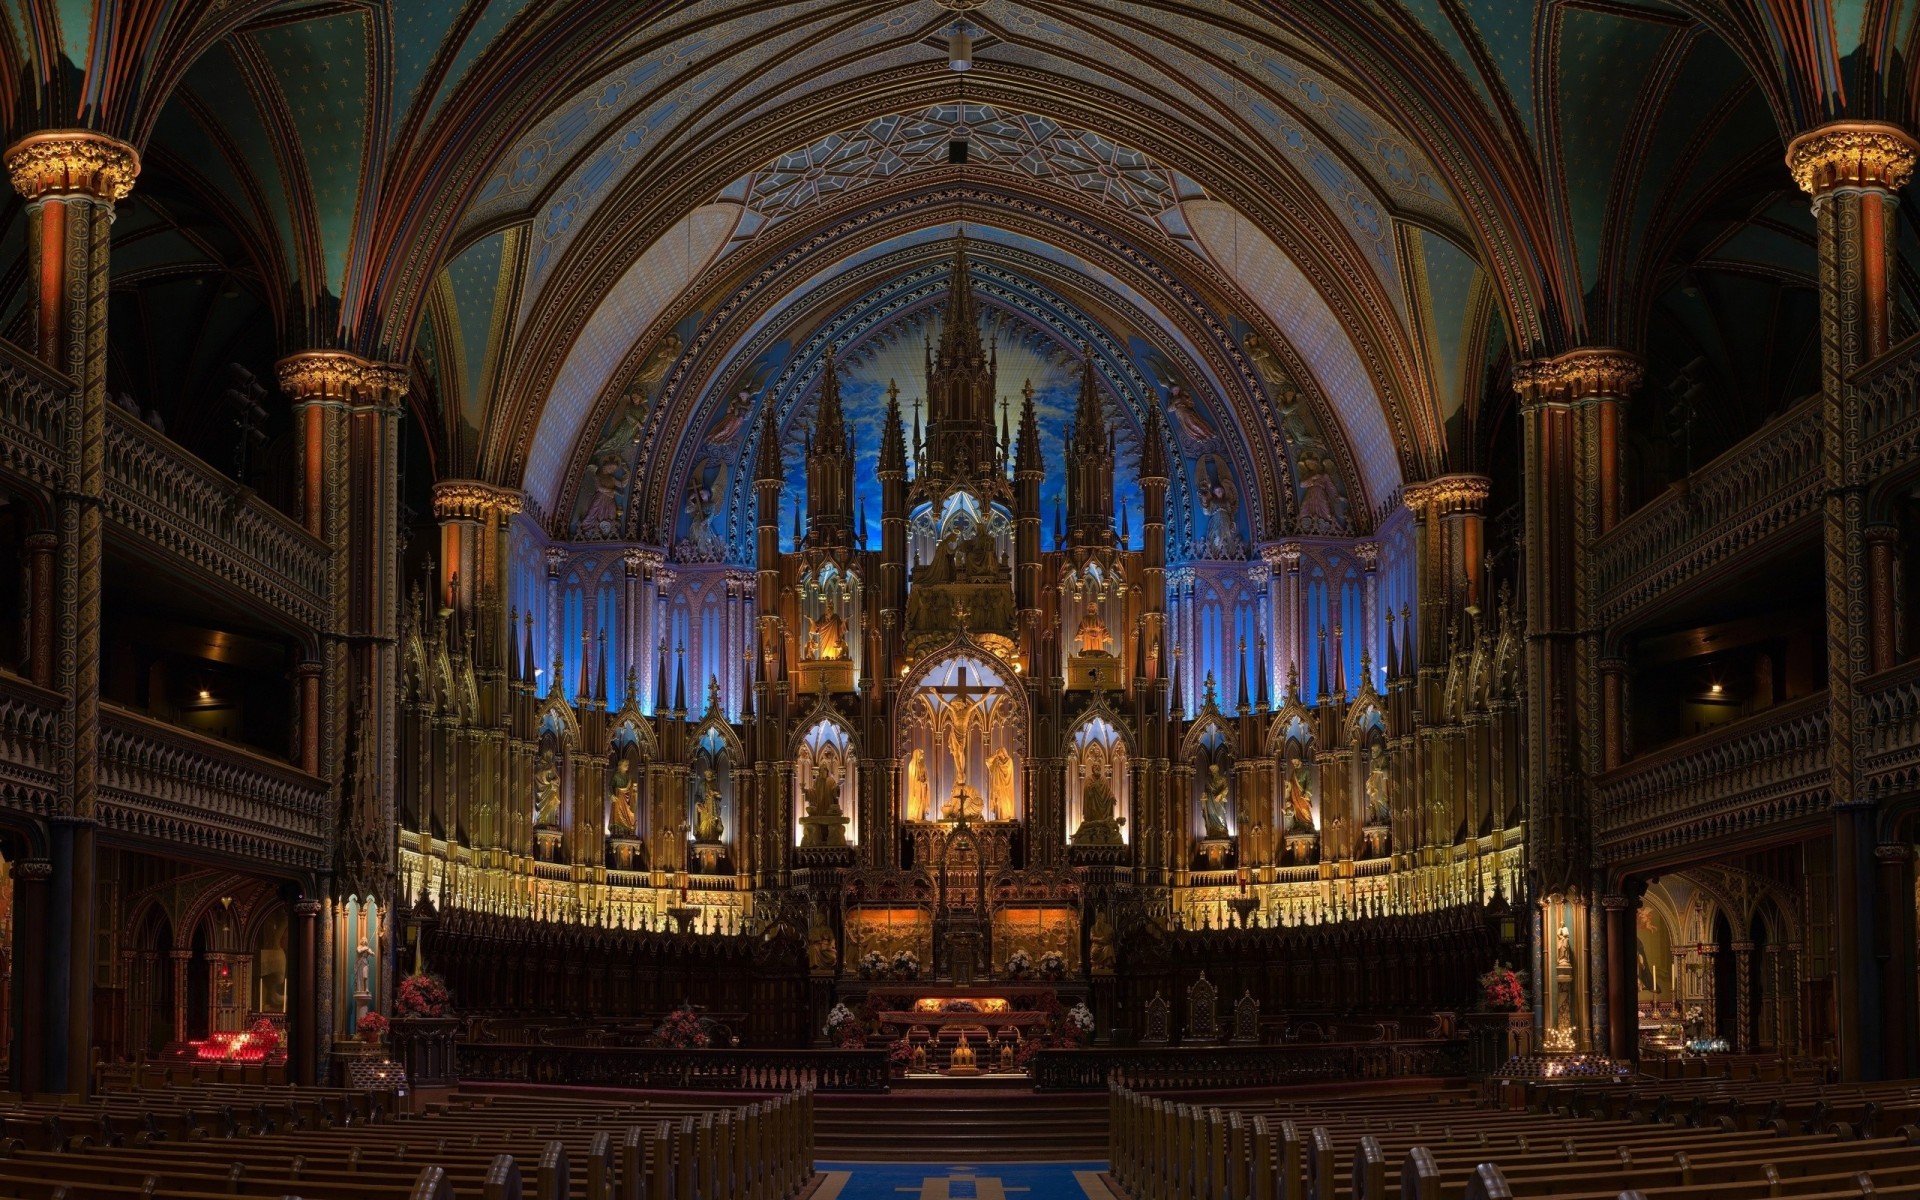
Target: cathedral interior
542,537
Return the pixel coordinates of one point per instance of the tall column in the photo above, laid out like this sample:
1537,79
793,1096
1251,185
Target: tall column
1883,553
1895,951
348,409
182,964
30,971
71,180
1570,419
305,1016
1613,706
307,703
1854,171
1623,999
1741,1039
1449,555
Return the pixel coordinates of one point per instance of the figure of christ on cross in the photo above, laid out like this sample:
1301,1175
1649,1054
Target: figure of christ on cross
960,707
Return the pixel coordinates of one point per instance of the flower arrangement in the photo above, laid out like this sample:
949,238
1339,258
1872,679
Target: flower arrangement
421,995
847,1031
1053,965
372,1027
1079,1022
682,1029
900,1054
872,965
1019,965
1502,991
906,965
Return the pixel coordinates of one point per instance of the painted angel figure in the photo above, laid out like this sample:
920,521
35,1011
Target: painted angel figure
602,518
1192,425
706,496
1220,504
731,422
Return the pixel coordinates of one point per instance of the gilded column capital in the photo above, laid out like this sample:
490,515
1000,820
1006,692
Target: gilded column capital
306,908
1613,901
640,560
1588,373
33,870
1447,494
335,376
1852,154
60,163
1284,556
472,500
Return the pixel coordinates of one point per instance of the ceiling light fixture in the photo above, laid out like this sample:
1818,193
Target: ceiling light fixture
960,47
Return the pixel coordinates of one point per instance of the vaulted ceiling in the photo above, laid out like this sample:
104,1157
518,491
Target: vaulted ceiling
1333,222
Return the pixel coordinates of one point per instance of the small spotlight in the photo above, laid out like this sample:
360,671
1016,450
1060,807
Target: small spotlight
960,47
1715,689
205,694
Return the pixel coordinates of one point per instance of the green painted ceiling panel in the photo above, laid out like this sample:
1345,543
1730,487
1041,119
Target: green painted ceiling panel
1604,61
215,80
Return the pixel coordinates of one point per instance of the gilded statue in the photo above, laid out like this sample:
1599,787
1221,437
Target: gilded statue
1299,797
918,790
823,952
1093,636
546,790
1379,810
1098,826
827,635
1214,796
1101,956
823,792
1000,804
708,824
624,801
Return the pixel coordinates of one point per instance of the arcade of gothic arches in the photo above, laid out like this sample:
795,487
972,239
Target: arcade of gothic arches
1225,521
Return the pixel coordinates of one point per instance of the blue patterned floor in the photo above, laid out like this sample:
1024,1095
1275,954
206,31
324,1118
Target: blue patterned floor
940,1181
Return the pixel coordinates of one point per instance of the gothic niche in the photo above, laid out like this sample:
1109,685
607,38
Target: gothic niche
961,577
962,750
1210,756
825,787
830,602
1298,783
550,778
626,801
1375,788
1099,784
710,807
1095,658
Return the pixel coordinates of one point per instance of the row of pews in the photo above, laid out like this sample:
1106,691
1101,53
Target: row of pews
1713,1139
202,1141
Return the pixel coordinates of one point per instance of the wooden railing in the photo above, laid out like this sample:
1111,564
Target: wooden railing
1176,1067
1765,769
33,404
159,780
1892,752
171,500
705,1070
1889,391
1751,495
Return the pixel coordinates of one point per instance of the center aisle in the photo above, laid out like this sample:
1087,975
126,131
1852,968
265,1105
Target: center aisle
929,1181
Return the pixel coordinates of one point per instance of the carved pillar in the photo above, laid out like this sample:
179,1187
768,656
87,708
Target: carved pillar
1895,952
182,964
1883,582
1450,554
307,704
1854,171
70,180
42,569
1623,998
1570,415
1710,988
1742,1038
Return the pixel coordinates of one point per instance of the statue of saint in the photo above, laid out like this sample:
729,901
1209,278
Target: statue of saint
363,970
1100,945
823,793
827,636
708,824
823,953
999,787
624,802
546,790
1378,808
1093,636
1214,795
1098,826
1299,797
1563,948
918,791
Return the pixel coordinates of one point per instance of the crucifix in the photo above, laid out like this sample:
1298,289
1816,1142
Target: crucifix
960,706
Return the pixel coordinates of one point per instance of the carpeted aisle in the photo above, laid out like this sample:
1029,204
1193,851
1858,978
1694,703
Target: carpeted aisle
989,1181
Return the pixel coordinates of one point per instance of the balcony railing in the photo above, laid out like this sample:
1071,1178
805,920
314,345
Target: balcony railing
163,496
1889,390
162,781
27,714
1750,495
1891,756
172,500
1765,769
